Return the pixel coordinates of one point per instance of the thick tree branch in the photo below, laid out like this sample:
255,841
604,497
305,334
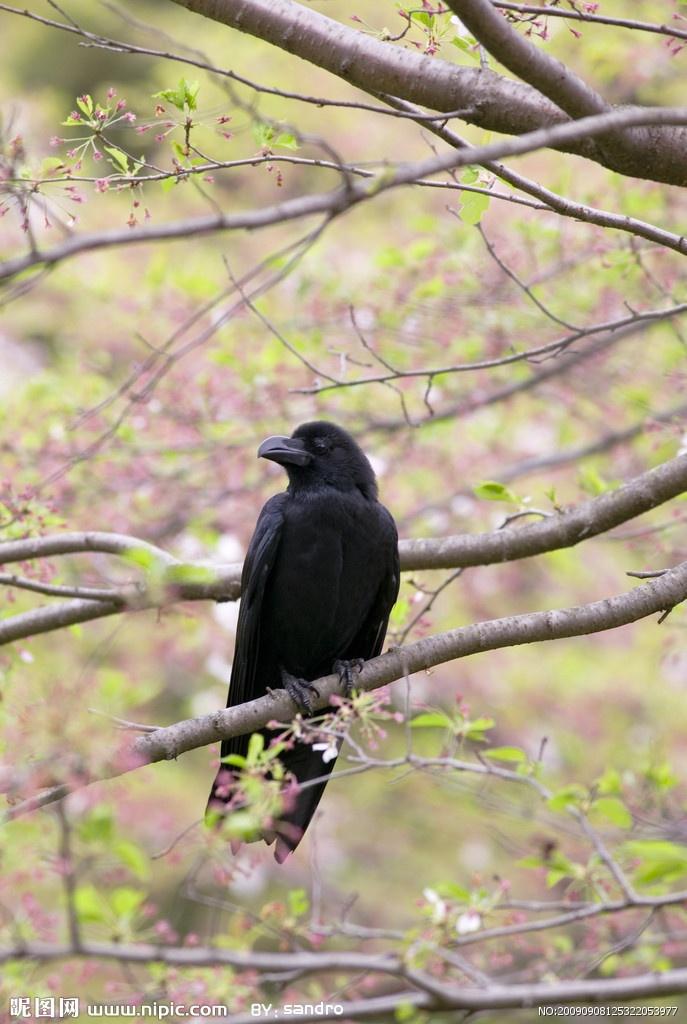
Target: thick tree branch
174,580
491,101
565,530
436,995
402,109
534,66
666,591
657,595
561,204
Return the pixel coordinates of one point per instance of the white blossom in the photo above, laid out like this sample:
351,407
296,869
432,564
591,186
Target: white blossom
437,904
468,922
329,750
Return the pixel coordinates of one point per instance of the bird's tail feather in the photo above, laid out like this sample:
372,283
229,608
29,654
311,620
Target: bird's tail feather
303,764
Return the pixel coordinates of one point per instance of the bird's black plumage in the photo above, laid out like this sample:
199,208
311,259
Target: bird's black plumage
320,578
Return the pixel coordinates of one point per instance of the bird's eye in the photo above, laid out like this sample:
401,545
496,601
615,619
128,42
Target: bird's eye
320,445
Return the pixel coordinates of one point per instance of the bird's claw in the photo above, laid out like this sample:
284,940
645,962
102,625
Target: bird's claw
299,691
345,670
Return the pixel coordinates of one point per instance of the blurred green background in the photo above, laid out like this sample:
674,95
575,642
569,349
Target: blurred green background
91,440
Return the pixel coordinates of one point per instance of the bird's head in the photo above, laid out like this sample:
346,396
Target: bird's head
321,453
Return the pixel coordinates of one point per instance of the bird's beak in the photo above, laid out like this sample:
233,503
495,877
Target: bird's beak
285,451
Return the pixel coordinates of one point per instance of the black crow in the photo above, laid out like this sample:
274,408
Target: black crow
320,578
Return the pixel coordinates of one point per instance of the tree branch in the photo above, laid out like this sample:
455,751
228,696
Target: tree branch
402,109
666,591
561,204
534,66
436,995
599,19
593,517
331,204
537,353
491,101
175,579
168,743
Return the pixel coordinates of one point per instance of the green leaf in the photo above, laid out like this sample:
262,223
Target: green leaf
475,729
241,825
256,745
287,141
473,206
405,1013
609,783
120,160
568,796
592,482
421,249
452,891
555,876
614,810
85,105
264,134
185,96
402,606
50,164
132,855
610,965
467,45
125,901
533,861
179,150
432,288
661,775
88,904
98,826
273,751
141,557
389,258
298,902
191,90
560,867
431,720
662,861
237,760
491,490
514,754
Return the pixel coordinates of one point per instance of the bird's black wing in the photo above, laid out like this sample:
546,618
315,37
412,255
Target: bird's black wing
301,761
259,562
369,640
